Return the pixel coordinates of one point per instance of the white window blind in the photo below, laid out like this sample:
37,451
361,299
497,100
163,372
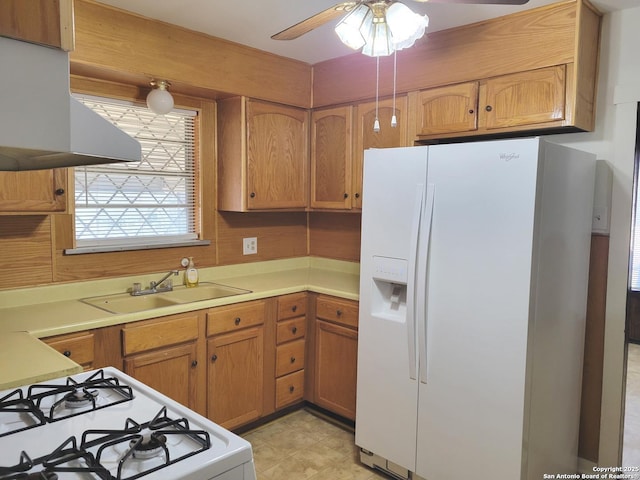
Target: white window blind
151,202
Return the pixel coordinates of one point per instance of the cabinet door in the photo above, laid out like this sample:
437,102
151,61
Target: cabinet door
172,371
536,96
277,156
38,191
336,366
448,109
387,137
235,377
331,150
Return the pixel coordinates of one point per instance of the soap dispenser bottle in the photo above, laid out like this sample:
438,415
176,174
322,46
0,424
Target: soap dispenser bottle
191,274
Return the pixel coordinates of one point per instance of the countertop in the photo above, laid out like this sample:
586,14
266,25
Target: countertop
38,312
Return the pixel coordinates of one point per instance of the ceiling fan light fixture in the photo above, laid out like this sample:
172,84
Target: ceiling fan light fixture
350,28
405,25
379,42
159,99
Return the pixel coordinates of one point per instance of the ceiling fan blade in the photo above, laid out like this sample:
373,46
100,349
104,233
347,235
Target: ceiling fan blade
314,21
478,2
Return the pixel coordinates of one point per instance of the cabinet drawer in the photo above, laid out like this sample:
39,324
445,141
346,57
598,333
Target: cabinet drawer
159,333
290,330
289,357
234,317
289,389
339,311
290,306
78,348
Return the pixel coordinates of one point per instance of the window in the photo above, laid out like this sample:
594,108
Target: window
146,204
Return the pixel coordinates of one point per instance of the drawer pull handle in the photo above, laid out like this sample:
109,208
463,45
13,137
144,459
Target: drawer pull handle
294,330
293,359
294,308
214,357
194,363
67,353
291,389
237,321
338,312
59,191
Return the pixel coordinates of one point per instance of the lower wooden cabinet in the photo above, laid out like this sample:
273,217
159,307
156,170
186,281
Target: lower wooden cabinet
336,360
235,370
335,352
170,370
164,354
77,346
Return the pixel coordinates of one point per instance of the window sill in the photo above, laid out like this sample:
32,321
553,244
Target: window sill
127,248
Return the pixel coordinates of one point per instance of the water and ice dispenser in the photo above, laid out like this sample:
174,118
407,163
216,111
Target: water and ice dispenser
389,297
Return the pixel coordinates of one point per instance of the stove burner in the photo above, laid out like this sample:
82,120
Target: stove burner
80,398
148,446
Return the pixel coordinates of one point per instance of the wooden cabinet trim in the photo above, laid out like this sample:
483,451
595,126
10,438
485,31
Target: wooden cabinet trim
294,305
159,333
235,317
290,357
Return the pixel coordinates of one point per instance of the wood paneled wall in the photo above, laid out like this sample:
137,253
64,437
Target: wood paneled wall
25,251
115,45
335,235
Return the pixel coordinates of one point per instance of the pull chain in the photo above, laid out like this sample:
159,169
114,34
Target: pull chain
376,123
394,120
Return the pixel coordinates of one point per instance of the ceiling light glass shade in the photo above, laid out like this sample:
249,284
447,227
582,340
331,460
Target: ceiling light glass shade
159,99
379,41
406,26
349,28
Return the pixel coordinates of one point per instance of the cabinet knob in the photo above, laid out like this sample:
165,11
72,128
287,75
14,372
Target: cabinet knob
67,353
471,111
346,195
338,312
59,191
294,330
291,389
294,308
357,195
252,194
293,359
214,357
237,321
194,363
488,108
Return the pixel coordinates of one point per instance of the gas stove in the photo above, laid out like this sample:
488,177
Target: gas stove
105,425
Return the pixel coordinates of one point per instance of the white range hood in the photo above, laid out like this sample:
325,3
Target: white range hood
41,125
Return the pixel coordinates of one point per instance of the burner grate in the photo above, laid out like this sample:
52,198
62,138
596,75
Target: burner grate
18,413
58,402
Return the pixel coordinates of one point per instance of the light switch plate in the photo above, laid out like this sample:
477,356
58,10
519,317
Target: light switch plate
249,246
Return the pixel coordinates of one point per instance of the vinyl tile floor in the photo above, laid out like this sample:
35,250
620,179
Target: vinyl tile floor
631,445
304,446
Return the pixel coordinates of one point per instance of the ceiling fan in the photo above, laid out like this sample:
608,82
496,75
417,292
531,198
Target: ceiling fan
344,8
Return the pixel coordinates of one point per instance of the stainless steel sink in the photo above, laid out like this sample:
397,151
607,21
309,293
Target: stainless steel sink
126,303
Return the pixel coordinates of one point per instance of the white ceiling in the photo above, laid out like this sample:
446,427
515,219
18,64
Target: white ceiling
252,22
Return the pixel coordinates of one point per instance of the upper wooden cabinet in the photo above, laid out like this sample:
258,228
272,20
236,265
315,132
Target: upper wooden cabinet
539,99
48,22
262,156
387,137
339,137
331,157
33,192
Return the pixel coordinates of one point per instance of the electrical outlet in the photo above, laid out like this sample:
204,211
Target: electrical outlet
249,246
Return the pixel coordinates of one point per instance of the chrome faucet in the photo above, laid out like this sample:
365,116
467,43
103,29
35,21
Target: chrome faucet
155,287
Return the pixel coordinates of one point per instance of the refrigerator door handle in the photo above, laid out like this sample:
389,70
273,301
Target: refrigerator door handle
411,277
421,281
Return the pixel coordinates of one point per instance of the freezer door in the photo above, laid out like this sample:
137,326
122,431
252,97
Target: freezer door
471,407
394,197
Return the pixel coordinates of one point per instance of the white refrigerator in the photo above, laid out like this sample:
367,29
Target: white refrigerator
473,289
